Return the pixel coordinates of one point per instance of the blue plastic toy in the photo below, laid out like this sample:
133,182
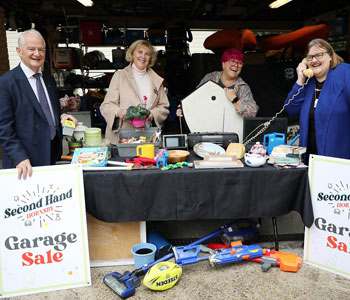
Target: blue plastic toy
162,158
274,139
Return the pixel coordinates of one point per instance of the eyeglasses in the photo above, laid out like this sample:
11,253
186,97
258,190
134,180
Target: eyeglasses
239,63
318,56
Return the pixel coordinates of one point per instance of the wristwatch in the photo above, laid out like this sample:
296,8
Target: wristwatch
235,99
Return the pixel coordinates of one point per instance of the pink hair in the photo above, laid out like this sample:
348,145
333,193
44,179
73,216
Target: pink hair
232,53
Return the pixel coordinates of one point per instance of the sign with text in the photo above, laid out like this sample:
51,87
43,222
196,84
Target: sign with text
327,242
43,236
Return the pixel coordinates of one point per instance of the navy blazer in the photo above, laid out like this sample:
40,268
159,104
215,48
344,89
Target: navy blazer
24,130
332,115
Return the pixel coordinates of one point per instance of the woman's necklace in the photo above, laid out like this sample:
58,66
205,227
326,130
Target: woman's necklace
318,89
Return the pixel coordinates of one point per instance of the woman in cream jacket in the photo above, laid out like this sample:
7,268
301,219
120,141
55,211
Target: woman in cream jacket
135,84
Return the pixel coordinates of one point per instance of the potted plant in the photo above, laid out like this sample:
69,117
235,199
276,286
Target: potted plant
74,143
137,115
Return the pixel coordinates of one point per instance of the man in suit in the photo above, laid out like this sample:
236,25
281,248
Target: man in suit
30,116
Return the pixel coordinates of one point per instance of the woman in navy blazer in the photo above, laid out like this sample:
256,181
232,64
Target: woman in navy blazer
323,104
24,129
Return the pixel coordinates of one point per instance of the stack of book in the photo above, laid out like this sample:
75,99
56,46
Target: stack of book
286,155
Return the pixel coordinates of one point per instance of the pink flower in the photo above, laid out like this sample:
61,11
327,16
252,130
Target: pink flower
145,98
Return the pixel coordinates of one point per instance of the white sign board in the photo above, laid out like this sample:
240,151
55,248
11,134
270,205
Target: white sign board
43,236
207,109
327,242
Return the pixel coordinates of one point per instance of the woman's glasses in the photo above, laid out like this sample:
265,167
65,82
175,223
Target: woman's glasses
237,62
318,56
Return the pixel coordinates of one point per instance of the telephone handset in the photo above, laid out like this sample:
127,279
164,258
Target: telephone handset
308,72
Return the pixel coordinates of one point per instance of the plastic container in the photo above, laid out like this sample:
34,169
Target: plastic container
144,254
74,145
163,246
129,150
92,137
79,131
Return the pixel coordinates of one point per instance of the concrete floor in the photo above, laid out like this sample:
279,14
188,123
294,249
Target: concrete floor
241,281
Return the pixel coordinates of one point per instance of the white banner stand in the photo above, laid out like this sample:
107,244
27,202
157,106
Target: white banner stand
43,237
327,242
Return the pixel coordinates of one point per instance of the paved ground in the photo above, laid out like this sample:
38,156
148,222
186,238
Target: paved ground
239,281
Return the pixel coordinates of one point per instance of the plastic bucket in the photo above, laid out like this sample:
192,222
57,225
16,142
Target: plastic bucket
143,253
163,246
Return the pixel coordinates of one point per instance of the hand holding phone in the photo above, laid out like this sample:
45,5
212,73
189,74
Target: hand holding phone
307,72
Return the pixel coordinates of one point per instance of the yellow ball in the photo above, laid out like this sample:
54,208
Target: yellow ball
162,276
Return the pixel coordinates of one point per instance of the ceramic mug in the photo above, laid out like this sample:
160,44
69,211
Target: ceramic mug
146,150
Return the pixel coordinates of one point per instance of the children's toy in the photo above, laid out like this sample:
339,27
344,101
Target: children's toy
141,161
177,165
162,158
272,140
190,254
94,156
68,128
162,276
275,139
236,253
124,285
287,262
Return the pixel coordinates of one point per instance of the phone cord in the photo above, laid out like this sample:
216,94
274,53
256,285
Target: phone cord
268,123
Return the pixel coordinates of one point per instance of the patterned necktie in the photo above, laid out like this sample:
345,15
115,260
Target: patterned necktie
45,105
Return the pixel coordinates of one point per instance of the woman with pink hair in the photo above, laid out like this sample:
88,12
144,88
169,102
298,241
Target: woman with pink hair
237,91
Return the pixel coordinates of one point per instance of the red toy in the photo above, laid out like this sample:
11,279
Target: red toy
141,161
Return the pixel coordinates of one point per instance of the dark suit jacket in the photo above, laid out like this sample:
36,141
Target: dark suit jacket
24,130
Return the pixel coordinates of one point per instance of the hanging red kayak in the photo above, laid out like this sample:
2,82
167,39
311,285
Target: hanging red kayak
221,40
297,39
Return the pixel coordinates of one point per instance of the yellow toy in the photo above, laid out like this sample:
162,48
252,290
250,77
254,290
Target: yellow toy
162,276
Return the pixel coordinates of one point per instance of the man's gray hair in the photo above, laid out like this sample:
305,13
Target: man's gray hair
20,40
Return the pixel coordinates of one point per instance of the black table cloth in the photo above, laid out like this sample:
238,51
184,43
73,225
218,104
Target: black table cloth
197,194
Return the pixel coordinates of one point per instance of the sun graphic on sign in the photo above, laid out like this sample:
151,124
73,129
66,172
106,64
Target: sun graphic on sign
339,207
338,187
37,207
